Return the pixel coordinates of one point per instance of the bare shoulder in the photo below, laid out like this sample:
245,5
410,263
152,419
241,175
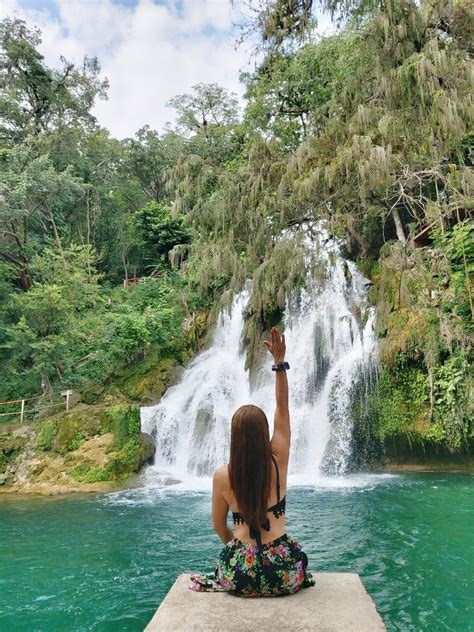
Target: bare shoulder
221,477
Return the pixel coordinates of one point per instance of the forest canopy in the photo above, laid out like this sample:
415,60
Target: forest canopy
368,131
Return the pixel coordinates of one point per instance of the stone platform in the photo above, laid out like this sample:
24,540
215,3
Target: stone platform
338,603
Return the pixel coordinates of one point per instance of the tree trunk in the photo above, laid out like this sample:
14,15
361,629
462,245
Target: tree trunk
398,226
125,264
46,385
56,235
25,279
357,238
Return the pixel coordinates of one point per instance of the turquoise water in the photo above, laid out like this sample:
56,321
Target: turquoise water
105,562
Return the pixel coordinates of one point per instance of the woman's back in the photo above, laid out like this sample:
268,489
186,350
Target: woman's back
276,501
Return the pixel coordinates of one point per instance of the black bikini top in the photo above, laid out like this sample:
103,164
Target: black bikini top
278,509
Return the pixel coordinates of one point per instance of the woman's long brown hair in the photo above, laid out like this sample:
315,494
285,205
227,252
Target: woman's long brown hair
250,464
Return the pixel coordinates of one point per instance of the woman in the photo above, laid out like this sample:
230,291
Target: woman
258,559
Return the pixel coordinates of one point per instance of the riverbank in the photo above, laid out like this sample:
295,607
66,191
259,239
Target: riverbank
463,467
54,490
90,449
401,455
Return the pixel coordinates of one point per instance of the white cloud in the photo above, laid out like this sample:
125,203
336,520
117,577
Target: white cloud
149,52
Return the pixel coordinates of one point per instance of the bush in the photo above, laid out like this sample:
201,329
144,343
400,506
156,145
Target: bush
87,473
47,435
124,421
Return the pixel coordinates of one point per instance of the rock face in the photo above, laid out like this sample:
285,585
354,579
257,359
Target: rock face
90,449
148,448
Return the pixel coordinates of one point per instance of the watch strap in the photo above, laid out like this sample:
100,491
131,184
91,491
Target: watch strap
284,366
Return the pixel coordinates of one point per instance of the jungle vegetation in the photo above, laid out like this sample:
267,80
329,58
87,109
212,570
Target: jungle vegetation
368,130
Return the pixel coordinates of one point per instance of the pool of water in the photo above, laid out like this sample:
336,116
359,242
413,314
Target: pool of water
105,562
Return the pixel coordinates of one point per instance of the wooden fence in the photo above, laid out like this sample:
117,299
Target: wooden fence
21,410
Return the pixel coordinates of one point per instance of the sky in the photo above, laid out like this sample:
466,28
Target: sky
150,50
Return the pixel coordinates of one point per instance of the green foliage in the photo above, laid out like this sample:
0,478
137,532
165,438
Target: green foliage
280,21
402,399
457,246
401,405
35,97
207,109
288,94
124,421
88,473
451,402
40,325
127,459
47,435
149,156
159,232
68,332
367,130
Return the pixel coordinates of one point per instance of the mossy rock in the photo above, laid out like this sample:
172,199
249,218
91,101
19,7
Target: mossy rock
99,462
10,449
124,421
81,449
135,453
66,432
145,383
92,393
147,449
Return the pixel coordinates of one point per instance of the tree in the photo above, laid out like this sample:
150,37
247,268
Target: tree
46,112
35,98
149,156
40,327
159,232
208,107
33,191
288,95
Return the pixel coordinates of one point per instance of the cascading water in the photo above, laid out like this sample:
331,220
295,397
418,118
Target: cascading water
330,344
191,423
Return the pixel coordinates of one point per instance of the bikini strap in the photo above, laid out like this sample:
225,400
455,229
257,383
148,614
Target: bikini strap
278,478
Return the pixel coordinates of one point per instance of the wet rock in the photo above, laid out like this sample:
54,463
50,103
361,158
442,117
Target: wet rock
147,450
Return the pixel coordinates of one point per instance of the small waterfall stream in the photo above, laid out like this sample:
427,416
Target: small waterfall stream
330,344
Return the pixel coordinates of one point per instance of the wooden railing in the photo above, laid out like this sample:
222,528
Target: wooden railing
22,410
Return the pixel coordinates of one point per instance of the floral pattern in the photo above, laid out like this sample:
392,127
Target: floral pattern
279,569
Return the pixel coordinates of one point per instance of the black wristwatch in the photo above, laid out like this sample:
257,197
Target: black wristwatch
280,367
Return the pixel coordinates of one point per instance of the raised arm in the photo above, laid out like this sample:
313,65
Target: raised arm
281,432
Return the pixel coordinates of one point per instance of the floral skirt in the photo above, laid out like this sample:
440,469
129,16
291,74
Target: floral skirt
278,569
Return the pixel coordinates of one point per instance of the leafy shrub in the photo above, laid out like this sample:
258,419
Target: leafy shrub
127,459
47,435
87,473
124,421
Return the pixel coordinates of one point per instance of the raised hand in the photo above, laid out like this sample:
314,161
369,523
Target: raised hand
276,345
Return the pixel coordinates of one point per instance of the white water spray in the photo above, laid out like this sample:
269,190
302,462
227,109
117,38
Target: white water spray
330,341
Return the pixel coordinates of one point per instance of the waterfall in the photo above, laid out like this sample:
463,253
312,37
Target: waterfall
330,344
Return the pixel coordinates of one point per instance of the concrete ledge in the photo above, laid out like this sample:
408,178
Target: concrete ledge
338,603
